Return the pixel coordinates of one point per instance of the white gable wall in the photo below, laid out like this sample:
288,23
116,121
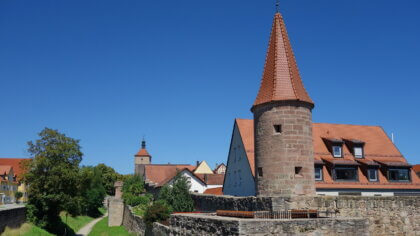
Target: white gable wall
196,184
238,177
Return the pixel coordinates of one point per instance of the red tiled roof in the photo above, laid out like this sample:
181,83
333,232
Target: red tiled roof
214,191
161,174
142,153
246,129
281,79
416,168
4,170
211,179
378,148
16,163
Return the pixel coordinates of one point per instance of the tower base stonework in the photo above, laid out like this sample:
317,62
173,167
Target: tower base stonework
284,162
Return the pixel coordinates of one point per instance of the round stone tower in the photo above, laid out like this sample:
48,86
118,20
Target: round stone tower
284,162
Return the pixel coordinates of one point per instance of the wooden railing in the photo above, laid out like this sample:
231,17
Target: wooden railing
289,214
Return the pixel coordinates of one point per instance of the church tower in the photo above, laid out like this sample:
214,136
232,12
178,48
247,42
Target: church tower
284,161
141,158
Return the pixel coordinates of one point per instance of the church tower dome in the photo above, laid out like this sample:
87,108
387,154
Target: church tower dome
283,123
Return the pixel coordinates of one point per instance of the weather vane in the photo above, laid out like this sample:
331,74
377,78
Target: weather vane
277,6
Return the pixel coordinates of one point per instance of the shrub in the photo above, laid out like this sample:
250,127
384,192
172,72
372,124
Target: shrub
133,200
158,211
18,195
177,196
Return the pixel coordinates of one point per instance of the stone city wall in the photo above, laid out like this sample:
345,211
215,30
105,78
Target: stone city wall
133,223
12,217
211,203
386,215
198,224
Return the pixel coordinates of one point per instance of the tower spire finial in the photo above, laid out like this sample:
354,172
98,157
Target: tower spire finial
277,6
143,143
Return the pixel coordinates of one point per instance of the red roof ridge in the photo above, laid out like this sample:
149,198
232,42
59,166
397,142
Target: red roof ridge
325,123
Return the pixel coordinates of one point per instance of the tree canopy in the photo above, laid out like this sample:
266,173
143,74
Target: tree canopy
53,177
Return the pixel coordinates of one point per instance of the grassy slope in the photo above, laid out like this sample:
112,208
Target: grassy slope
77,222
26,230
101,229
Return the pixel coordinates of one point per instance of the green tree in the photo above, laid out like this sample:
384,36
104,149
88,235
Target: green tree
177,196
91,190
109,176
132,189
53,178
18,195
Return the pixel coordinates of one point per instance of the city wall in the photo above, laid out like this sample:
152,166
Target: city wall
12,217
386,215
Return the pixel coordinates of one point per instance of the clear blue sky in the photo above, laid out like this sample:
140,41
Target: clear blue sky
179,72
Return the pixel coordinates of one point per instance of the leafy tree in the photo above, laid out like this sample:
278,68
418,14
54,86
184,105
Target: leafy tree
109,176
53,178
158,211
177,196
18,195
132,189
91,190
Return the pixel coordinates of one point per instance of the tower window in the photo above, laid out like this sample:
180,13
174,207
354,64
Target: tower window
298,170
277,129
337,152
260,172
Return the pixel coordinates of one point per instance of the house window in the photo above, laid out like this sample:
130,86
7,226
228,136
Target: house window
373,174
398,175
345,173
337,151
358,152
260,172
277,129
318,173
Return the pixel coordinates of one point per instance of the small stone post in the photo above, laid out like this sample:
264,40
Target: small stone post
116,206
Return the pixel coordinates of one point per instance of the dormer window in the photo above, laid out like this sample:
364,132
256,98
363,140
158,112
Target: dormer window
358,152
337,151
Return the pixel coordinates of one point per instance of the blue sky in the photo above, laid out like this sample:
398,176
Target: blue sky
179,72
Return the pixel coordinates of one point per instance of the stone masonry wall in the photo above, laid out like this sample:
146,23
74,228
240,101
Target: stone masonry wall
12,217
277,155
211,203
133,223
386,215
198,224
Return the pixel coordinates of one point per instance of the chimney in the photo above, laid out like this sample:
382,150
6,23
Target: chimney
198,163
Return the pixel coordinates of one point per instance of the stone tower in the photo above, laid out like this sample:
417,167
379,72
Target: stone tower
141,158
284,161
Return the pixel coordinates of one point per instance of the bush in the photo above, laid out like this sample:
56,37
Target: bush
133,200
177,196
132,189
158,211
18,195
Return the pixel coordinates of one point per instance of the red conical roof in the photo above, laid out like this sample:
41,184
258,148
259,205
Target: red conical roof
142,153
281,80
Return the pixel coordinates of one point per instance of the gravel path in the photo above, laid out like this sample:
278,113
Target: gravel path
87,228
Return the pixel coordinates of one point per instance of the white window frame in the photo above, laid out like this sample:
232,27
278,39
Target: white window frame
356,155
320,174
376,175
339,148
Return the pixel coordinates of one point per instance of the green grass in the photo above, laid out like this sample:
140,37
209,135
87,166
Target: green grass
75,222
140,210
102,229
26,229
